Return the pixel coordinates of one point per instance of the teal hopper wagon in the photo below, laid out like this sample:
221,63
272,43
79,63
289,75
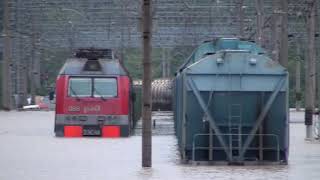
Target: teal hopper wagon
231,105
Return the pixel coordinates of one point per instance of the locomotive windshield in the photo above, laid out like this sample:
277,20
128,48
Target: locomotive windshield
106,87
92,87
80,87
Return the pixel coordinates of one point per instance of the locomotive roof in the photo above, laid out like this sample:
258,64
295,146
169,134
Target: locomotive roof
75,66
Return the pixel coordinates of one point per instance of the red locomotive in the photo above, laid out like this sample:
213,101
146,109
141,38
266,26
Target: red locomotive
93,96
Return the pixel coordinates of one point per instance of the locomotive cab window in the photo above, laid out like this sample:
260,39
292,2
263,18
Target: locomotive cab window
80,87
92,87
105,87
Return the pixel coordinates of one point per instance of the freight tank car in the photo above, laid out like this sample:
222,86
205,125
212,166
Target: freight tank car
93,96
161,91
231,105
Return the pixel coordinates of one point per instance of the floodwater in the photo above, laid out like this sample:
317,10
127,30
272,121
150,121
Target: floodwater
29,151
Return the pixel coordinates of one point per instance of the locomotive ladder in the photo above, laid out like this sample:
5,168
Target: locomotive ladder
235,131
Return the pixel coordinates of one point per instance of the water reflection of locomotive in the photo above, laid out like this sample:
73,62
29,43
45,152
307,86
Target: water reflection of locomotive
94,96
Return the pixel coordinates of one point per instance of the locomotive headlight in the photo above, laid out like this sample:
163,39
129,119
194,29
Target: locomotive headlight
253,61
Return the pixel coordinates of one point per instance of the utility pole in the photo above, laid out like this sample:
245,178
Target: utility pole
7,59
280,32
34,67
21,73
240,17
260,23
298,77
310,75
122,31
168,64
21,62
275,34
71,38
284,34
165,64
318,86
146,87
